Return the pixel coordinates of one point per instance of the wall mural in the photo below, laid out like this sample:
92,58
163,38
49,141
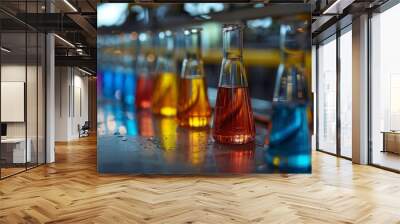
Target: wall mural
194,89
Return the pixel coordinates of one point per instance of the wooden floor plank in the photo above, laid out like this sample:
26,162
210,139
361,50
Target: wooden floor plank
71,191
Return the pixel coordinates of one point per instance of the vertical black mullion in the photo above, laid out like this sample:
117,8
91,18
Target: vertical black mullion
0,93
37,88
45,88
26,85
369,96
45,94
338,100
317,96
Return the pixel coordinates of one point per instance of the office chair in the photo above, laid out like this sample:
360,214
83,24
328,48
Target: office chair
84,130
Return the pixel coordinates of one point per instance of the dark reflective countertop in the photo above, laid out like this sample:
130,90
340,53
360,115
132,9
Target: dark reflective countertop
139,142
131,141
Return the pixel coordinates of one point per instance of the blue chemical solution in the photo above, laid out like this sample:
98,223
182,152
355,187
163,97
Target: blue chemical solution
290,148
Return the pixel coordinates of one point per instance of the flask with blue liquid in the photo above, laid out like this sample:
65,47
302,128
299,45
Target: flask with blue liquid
290,136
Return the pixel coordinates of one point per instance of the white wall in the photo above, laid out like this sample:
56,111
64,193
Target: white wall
16,73
62,82
71,94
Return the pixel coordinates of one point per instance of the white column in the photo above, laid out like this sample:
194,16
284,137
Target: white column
50,94
360,90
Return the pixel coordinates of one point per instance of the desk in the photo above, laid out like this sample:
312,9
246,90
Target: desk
16,147
391,141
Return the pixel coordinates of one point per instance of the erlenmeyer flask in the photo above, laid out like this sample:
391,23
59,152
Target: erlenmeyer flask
193,106
145,63
165,94
289,120
233,119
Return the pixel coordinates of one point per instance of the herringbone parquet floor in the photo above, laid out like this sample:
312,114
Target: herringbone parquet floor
71,191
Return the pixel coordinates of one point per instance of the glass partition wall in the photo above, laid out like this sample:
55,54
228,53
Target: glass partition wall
385,89
334,94
345,91
22,107
326,136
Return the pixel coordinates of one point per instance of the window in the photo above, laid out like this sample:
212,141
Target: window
22,77
385,89
346,93
327,96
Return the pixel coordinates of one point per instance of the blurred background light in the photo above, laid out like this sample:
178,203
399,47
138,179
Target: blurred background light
260,23
161,35
143,37
112,14
139,11
195,9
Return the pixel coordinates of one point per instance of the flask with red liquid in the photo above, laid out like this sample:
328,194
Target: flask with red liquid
145,64
233,118
193,107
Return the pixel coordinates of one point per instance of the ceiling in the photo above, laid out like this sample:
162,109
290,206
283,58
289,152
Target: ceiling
72,20
76,21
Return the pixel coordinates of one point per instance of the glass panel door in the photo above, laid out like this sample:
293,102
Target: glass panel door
346,93
14,153
22,77
326,101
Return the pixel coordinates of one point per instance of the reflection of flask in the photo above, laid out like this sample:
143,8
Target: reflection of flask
165,94
235,159
193,106
145,72
144,90
145,121
233,119
289,120
166,130
193,143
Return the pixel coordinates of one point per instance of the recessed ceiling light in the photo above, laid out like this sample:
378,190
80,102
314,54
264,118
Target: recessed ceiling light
84,71
5,50
64,40
70,5
337,7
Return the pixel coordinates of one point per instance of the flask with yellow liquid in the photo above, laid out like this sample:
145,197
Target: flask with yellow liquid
165,95
193,107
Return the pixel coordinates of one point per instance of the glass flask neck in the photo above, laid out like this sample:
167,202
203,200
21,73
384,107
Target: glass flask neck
192,65
144,55
165,55
232,72
166,45
193,44
144,43
232,41
290,84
